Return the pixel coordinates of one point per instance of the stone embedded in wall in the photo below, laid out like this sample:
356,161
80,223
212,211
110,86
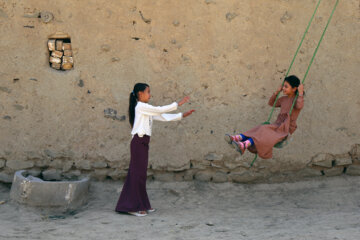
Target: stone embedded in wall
58,164
335,171
72,174
323,160
213,157
355,153
67,165
285,17
308,172
235,163
179,176
7,117
217,164
2,163
343,160
5,89
245,176
176,23
81,83
46,17
189,175
202,165
100,174
178,168
230,16
60,50
18,107
99,164
6,177
205,176
210,1
118,174
353,170
19,164
112,113
83,164
164,177
3,14
105,48
220,177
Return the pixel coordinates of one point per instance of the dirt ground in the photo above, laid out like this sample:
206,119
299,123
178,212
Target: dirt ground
320,208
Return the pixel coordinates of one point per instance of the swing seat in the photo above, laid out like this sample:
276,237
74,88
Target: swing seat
283,142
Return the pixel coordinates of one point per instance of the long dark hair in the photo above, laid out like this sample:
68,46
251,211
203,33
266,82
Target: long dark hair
139,87
294,81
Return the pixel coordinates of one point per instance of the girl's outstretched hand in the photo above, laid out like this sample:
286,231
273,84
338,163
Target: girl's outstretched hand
188,113
184,100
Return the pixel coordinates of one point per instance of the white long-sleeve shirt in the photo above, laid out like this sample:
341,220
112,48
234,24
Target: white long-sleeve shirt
146,113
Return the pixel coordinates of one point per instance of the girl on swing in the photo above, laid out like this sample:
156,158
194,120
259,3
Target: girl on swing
261,139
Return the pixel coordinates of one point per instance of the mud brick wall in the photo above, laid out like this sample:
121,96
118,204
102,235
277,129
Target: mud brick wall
228,56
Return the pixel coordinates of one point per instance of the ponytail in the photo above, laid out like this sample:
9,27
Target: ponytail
133,98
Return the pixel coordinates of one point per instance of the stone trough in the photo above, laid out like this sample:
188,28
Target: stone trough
33,191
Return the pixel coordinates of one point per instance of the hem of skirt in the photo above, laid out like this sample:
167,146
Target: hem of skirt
126,211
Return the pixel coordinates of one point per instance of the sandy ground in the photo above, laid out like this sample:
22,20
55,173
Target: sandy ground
322,208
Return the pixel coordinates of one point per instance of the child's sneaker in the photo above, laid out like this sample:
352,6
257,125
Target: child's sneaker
138,213
151,210
229,139
239,146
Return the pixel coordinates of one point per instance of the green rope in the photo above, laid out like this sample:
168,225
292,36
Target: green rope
307,71
252,163
312,59
292,62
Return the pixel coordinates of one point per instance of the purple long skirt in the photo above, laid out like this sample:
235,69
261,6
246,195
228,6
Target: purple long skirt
133,196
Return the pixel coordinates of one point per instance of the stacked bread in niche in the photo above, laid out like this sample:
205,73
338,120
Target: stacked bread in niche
60,54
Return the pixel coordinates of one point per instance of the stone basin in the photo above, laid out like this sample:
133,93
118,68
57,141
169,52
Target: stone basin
33,191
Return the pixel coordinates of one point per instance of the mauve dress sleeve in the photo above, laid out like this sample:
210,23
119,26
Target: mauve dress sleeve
272,100
299,102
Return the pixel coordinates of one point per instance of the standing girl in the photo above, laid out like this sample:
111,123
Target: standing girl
261,139
134,199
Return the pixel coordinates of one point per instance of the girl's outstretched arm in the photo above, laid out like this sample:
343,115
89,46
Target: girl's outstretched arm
154,111
165,117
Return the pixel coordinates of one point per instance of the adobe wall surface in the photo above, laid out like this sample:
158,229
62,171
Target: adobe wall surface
228,56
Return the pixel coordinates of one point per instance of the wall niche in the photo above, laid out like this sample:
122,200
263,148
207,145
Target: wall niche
60,51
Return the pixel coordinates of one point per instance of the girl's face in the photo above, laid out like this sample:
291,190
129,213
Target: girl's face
145,95
288,90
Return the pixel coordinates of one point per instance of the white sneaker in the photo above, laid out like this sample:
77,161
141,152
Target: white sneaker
151,210
138,214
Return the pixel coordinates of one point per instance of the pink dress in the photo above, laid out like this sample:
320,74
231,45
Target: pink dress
266,136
